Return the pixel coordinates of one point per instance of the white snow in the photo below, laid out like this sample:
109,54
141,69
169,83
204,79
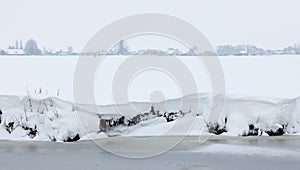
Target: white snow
58,119
251,77
272,76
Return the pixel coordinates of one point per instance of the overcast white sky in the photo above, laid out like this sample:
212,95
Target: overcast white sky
60,23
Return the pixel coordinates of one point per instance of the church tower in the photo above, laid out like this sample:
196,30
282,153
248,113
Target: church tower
21,45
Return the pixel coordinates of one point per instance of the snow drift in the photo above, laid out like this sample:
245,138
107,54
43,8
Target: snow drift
52,119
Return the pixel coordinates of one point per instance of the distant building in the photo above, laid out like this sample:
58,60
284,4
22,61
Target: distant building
21,44
278,52
151,52
297,48
14,52
17,44
225,50
289,50
242,52
174,51
120,49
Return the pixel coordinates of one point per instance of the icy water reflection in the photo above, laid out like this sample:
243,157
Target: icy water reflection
218,153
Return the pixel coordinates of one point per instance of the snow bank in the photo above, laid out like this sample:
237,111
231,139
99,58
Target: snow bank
54,119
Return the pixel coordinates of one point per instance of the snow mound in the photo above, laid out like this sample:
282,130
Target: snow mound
30,118
53,119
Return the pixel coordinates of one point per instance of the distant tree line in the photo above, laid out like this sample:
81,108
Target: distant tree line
121,48
31,48
225,50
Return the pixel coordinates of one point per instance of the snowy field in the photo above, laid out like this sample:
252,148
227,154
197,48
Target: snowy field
266,76
261,91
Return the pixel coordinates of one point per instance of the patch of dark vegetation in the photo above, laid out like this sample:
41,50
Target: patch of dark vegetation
52,138
278,132
10,127
31,132
136,119
216,128
255,131
170,116
108,124
75,138
0,116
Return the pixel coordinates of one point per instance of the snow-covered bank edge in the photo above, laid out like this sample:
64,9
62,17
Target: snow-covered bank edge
37,118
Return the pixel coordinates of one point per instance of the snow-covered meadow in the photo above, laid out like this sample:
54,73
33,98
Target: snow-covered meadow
265,76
